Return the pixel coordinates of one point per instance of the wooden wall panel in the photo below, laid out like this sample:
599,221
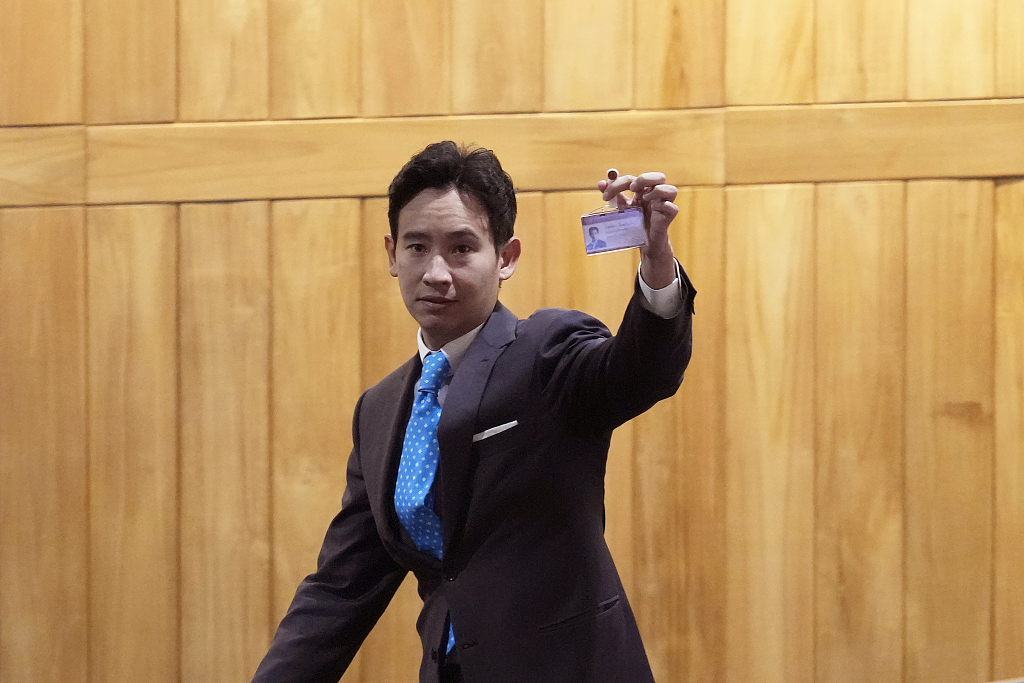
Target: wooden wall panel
588,55
44,516
130,61
222,60
950,49
949,431
861,50
224,326
679,483
1008,633
315,58
42,166
315,251
875,142
860,316
392,651
359,158
679,53
133,444
1009,48
523,293
40,62
497,56
770,393
407,53
600,285
769,55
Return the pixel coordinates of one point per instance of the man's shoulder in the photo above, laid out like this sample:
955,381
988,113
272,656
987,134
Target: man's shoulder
394,383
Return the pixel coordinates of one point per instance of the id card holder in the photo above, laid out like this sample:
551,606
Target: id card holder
611,229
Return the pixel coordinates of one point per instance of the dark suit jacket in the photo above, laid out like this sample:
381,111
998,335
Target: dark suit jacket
527,577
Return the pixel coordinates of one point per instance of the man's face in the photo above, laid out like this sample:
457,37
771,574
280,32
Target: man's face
446,264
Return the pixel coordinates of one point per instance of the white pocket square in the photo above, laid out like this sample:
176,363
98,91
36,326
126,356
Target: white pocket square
487,433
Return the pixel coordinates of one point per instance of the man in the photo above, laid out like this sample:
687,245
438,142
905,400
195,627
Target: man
479,464
595,241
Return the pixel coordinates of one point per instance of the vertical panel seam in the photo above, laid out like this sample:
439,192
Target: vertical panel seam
815,441
179,460
906,422
86,440
270,419
993,519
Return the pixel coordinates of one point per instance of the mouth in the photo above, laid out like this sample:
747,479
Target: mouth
436,302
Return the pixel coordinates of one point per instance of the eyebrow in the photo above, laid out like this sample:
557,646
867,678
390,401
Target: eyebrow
419,236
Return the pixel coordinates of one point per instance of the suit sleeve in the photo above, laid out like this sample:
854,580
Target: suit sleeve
335,607
607,379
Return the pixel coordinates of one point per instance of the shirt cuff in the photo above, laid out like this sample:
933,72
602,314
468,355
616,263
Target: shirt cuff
666,302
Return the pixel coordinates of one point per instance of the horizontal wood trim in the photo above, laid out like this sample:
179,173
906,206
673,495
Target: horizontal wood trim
40,166
874,141
358,157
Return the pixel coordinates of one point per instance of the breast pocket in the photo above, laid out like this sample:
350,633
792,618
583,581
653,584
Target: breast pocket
498,439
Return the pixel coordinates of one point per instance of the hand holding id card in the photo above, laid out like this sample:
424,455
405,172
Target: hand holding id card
611,228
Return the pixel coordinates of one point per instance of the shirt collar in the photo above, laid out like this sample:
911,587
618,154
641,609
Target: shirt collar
453,350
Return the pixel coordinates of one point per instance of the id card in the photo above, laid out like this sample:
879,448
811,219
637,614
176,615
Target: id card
613,230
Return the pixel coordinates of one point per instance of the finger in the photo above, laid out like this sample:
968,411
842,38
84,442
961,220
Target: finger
614,187
660,193
646,181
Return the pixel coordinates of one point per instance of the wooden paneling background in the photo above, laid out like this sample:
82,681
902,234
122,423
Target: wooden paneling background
193,293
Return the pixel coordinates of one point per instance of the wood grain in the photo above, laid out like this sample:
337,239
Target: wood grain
860,356
42,166
392,651
875,142
860,53
523,293
224,325
315,58
130,61
770,276
497,56
679,483
406,50
600,285
133,443
769,55
316,376
588,55
949,431
44,515
680,53
1008,631
222,60
358,158
1009,48
950,49
40,62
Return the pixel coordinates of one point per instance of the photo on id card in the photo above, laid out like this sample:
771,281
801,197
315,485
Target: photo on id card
613,230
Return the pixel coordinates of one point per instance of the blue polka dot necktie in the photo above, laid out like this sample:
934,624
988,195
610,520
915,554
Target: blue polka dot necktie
414,501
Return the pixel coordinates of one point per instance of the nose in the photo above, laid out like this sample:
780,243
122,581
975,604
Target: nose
437,271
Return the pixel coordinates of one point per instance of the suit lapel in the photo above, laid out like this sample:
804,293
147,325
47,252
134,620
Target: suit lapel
393,420
458,420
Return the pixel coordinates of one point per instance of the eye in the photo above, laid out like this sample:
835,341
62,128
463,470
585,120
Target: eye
462,249
415,248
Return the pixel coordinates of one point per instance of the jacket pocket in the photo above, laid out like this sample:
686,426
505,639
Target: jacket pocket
593,613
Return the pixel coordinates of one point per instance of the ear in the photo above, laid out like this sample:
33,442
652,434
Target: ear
389,245
508,257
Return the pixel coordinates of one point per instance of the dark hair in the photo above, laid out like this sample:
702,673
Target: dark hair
593,229
475,172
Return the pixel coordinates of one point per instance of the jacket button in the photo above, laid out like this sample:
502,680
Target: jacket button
449,574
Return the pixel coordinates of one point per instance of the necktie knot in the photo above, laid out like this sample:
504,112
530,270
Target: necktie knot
435,369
